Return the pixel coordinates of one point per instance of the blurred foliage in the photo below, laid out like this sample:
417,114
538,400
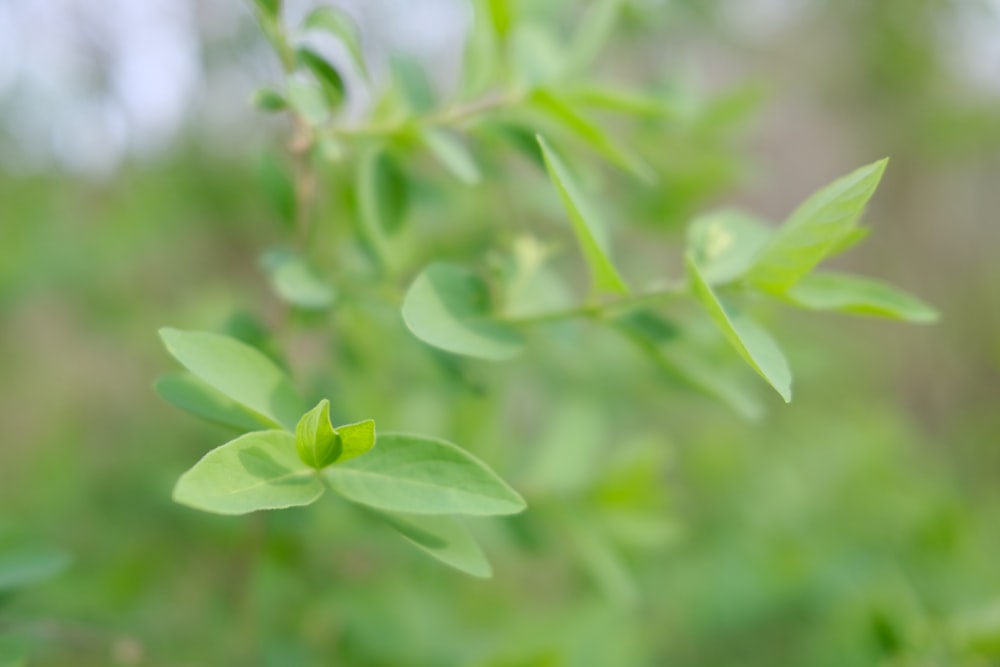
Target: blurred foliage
857,526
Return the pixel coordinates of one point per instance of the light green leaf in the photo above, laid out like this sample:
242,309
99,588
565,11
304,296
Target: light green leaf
239,371
340,24
753,343
327,75
413,83
356,439
266,99
622,101
418,475
442,537
593,33
572,121
602,561
861,296
588,227
383,191
849,239
308,100
815,229
449,307
26,566
725,244
316,441
452,154
534,55
187,392
257,471
296,281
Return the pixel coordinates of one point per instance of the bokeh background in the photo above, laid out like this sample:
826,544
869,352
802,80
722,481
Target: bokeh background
859,525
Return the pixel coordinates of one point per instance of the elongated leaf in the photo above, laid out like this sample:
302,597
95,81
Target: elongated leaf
753,343
622,101
266,99
593,32
239,371
442,537
588,227
26,566
567,118
296,281
815,229
449,307
453,155
418,475
849,239
257,471
725,244
187,392
327,75
861,296
340,24
383,191
535,57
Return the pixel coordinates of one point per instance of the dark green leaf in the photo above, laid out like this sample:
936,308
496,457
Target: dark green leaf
257,471
328,77
266,99
340,24
26,566
449,307
418,475
383,191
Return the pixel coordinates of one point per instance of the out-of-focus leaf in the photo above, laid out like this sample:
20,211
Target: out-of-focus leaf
535,57
187,392
593,33
588,227
449,307
296,281
341,25
419,475
572,121
327,75
257,471
266,99
277,185
978,631
725,244
270,8
442,537
452,154
857,295
383,191
569,452
413,83
602,562
25,566
13,651
814,229
621,101
308,100
753,343
239,371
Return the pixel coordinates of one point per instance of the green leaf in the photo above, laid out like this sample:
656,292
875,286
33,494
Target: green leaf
26,566
442,537
327,75
535,57
593,33
257,471
572,121
413,83
452,154
308,100
13,651
266,99
296,281
418,475
848,240
383,191
449,307
857,295
239,371
270,8
341,25
316,441
725,244
187,392
815,229
588,227
356,439
621,101
753,343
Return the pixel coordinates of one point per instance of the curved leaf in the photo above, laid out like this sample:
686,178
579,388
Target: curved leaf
419,475
442,537
589,230
239,371
257,471
860,296
449,307
340,24
187,392
753,343
725,244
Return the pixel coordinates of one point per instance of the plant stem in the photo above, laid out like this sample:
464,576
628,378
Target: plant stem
595,310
